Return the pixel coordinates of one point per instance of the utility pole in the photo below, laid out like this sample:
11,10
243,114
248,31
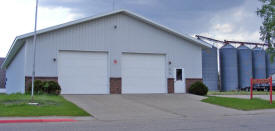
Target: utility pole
34,48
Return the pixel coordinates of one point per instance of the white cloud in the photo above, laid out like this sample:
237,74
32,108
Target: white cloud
53,16
142,2
17,18
235,36
238,24
225,28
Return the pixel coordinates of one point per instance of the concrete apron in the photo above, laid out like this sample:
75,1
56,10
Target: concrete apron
151,106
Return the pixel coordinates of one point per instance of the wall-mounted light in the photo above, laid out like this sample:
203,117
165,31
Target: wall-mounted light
115,26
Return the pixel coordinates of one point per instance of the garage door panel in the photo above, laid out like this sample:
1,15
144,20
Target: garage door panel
83,72
143,73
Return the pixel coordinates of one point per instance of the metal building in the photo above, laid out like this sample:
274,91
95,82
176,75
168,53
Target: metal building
113,53
270,66
259,63
210,68
244,66
229,68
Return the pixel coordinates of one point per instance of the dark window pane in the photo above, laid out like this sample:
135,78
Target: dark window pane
179,74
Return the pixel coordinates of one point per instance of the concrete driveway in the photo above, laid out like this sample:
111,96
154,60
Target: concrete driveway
149,106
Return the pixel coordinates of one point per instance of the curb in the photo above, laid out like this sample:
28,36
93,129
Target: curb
36,120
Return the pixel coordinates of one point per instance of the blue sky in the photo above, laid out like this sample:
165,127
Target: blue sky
221,19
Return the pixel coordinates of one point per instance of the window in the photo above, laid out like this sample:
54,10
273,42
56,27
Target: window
179,74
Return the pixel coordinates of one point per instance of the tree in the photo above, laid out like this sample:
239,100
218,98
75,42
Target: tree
267,30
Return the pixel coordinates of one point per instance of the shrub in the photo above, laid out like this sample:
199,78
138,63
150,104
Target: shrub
51,87
46,87
198,88
38,87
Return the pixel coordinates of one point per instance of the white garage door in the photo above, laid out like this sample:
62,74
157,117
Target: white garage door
143,73
83,72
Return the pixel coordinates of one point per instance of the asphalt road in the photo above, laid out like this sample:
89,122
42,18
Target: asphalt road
265,122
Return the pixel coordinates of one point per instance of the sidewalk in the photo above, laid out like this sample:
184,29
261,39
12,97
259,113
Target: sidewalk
265,97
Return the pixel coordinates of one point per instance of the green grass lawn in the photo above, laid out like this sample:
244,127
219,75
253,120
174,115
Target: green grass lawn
49,105
239,93
240,104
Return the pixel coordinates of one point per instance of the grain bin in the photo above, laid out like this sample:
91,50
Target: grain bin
210,68
244,66
229,68
270,66
259,63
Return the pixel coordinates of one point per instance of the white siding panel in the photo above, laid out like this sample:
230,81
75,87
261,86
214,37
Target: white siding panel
15,74
130,35
143,38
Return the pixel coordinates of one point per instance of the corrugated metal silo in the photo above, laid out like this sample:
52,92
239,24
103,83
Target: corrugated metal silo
244,66
270,66
259,63
210,68
229,68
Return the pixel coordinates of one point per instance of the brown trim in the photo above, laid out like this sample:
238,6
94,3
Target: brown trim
115,85
170,85
43,77
193,78
190,81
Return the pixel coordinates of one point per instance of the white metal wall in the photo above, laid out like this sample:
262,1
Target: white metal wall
15,74
130,35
